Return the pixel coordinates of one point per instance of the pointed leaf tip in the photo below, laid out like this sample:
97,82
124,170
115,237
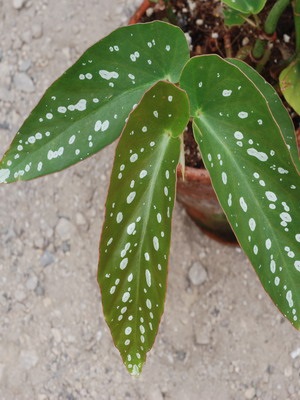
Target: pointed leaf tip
86,108
135,240
252,172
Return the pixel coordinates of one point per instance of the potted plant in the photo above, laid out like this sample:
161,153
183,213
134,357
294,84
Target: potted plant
140,83
248,32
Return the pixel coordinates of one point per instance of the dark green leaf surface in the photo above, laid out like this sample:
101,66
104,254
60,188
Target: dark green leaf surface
279,112
246,6
252,173
289,80
135,239
86,108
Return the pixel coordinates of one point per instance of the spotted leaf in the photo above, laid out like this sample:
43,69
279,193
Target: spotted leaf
252,173
278,110
246,6
135,239
85,109
289,81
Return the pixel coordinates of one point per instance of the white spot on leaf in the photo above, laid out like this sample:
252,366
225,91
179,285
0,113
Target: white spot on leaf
143,173
131,228
252,224
243,204
155,243
130,197
108,75
261,156
242,114
226,93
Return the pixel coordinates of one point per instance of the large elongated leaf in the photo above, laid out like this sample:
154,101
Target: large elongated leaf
86,108
279,112
289,80
252,173
246,6
135,240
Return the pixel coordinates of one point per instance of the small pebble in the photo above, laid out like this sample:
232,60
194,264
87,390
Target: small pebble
26,37
202,335
199,22
24,65
47,258
245,41
288,371
37,31
28,359
149,12
64,229
23,82
39,242
20,295
250,393
32,282
296,353
18,4
80,219
197,274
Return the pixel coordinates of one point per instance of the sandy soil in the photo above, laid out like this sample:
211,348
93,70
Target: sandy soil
221,338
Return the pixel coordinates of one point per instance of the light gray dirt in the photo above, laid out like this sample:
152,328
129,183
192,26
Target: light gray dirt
221,338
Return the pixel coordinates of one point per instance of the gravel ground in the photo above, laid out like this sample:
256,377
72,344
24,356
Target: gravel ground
220,338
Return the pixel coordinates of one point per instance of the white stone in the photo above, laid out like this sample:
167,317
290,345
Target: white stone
80,219
18,4
23,82
249,393
28,359
197,274
64,229
32,282
37,31
203,334
20,295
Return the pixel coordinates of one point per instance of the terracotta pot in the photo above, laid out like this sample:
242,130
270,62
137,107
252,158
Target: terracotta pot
197,195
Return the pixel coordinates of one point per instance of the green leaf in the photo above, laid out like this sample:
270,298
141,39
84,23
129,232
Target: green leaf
289,81
86,108
233,17
252,173
246,6
279,112
135,239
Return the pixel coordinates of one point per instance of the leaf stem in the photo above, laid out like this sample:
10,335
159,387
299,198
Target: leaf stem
259,48
269,28
296,5
274,15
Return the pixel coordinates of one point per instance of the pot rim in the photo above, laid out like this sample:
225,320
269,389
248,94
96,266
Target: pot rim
194,175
